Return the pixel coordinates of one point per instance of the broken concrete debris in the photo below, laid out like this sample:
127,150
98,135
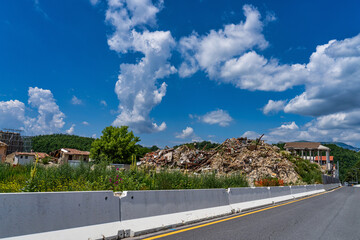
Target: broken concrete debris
255,159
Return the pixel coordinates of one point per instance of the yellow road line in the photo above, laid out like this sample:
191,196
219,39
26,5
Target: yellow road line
230,218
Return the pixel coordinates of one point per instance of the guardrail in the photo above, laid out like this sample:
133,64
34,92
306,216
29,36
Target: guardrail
103,214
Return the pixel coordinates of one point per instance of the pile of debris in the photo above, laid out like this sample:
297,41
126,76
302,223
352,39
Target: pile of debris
255,159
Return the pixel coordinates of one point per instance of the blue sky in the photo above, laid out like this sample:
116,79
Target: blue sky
182,71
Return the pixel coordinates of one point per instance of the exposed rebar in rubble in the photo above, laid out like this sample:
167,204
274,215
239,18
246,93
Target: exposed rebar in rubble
254,159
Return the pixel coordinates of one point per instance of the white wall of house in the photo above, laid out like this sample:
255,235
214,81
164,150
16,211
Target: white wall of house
23,159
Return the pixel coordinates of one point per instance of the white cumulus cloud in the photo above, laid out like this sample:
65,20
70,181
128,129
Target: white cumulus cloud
12,114
49,119
220,117
209,51
228,55
137,88
273,106
187,132
71,129
333,80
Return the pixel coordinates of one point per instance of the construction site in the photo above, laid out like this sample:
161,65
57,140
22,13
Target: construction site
15,141
254,159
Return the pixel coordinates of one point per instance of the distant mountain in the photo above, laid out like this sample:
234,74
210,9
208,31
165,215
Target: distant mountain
343,145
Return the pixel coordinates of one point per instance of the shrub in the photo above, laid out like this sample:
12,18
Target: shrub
269,181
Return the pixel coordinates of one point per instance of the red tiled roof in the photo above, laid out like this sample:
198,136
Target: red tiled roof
42,155
25,153
323,158
73,151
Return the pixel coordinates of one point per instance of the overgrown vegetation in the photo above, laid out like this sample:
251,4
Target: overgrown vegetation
309,172
87,177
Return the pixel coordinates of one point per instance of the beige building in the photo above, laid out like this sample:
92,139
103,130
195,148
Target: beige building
3,149
71,156
23,158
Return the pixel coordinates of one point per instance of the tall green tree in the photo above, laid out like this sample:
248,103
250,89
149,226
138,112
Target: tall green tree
116,145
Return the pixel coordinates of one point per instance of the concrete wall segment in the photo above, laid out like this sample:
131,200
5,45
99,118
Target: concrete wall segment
237,195
298,189
139,204
279,191
29,213
311,187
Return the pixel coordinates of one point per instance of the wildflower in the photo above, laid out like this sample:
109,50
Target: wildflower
117,182
110,179
117,169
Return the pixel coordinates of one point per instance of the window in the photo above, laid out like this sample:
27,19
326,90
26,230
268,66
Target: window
21,156
26,157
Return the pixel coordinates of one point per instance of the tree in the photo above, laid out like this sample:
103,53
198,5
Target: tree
116,145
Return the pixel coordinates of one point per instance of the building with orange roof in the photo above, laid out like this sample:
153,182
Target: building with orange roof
310,151
71,155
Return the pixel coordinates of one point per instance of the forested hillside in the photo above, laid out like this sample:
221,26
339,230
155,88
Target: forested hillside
347,159
48,143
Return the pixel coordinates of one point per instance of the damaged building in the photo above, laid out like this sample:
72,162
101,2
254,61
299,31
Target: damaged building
70,155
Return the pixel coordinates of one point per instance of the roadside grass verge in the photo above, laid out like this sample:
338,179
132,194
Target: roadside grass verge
88,177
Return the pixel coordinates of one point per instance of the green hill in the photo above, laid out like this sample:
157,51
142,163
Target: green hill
49,143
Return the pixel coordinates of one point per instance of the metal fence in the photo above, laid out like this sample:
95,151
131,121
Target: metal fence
328,179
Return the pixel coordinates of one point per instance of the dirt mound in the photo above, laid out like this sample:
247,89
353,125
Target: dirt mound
256,160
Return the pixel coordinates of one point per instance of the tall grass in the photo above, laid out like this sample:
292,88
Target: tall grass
87,177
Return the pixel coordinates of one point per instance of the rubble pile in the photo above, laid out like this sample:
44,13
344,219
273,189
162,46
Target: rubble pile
255,159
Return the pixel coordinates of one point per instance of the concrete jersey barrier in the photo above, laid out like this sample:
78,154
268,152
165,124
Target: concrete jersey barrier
149,211
101,214
31,213
138,204
298,189
237,195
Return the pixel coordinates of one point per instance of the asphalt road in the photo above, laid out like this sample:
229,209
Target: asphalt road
333,215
